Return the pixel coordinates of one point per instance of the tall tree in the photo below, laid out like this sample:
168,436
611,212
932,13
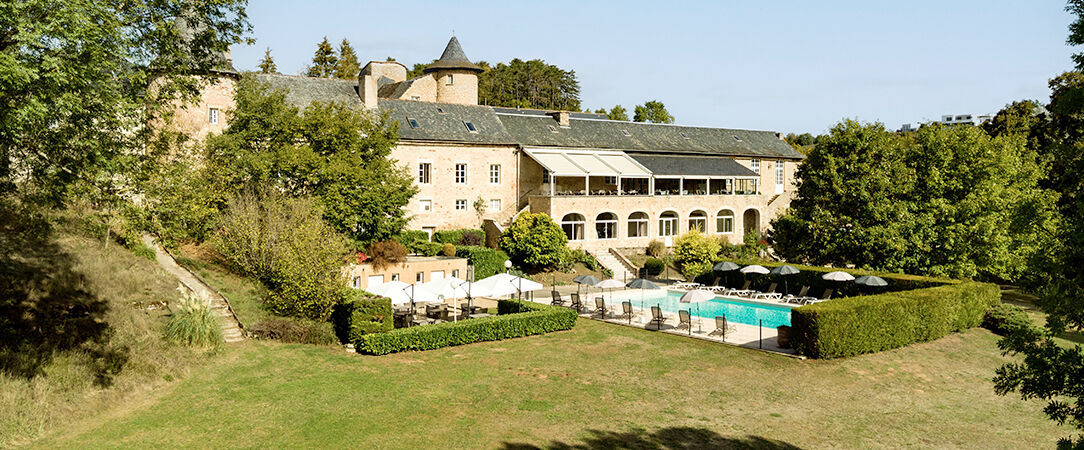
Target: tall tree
348,66
618,112
267,64
653,111
74,78
324,61
523,84
1076,30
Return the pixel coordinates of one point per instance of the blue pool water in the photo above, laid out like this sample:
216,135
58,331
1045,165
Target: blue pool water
735,310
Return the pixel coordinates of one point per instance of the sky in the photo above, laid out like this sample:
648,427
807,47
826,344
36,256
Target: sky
788,66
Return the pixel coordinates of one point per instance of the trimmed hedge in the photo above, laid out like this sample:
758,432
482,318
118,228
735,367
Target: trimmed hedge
811,276
455,237
425,248
362,316
406,237
539,319
1004,319
865,324
654,266
486,261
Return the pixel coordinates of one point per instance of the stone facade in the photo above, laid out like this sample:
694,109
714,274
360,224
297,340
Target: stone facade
456,86
442,191
209,113
417,269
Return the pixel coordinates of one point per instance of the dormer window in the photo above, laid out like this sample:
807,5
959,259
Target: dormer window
470,127
413,122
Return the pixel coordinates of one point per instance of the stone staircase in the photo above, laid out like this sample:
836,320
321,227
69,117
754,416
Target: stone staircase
609,261
231,327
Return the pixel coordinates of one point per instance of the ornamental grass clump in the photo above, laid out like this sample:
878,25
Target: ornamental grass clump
194,324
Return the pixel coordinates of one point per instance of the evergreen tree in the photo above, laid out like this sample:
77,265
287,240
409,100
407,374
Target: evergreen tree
324,61
653,111
267,64
618,112
348,66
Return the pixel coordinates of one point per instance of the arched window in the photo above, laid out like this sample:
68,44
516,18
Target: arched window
724,221
698,220
606,226
668,223
573,223
638,224
751,221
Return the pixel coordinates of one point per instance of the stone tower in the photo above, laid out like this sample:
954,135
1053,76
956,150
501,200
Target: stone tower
456,77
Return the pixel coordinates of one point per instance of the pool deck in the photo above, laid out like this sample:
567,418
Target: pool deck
741,335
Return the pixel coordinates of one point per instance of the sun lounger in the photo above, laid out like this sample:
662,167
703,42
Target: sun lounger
722,328
557,300
626,311
800,298
715,286
686,285
743,291
685,321
600,307
576,303
770,293
657,317
827,296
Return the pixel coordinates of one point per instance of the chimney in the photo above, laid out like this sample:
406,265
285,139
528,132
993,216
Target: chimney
561,117
367,91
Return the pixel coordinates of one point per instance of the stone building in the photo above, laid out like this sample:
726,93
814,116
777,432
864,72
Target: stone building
607,183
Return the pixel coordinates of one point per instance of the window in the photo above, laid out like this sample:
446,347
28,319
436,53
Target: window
552,128
425,205
461,205
668,224
611,181
429,233
413,122
736,138
470,127
684,135
455,273
440,110
450,80
626,133
606,226
212,116
637,224
423,172
724,221
698,220
545,175
356,283
495,174
573,224
779,174
460,173
495,205
394,277
756,166
419,277
415,97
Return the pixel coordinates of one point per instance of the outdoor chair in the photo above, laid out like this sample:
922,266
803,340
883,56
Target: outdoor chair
657,317
626,311
715,286
827,296
557,300
743,291
797,298
685,321
722,328
770,293
576,303
600,307
686,285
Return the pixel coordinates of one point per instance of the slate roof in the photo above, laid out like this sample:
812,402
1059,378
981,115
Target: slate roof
533,130
453,58
305,90
713,166
449,126
546,113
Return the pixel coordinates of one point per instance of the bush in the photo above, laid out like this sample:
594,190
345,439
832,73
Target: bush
458,237
486,261
656,249
1004,319
855,325
654,266
406,237
535,241
472,238
539,319
143,251
288,329
285,244
426,248
363,315
694,253
194,324
385,253
448,250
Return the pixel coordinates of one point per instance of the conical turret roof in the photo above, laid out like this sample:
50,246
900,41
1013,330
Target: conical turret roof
453,58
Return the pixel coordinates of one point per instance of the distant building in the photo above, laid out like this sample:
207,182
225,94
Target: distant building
951,120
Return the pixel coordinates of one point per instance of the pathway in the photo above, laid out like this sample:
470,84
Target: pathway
231,328
610,262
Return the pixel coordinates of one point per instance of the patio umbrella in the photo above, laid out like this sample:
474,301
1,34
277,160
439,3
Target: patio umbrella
783,271
610,284
870,280
450,287
696,296
725,266
838,276
755,269
503,284
401,293
641,284
589,280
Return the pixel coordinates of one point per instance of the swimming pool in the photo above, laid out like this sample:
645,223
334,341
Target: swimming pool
735,310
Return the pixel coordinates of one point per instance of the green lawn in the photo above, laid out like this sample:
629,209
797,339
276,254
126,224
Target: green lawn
598,385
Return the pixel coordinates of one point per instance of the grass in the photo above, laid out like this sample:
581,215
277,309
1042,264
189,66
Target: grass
556,278
598,386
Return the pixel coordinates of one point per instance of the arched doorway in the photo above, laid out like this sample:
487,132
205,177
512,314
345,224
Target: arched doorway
751,221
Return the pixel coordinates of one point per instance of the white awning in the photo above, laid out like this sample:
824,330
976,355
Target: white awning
565,162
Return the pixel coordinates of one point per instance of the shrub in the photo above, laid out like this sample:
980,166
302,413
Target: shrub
654,266
143,251
696,271
1004,319
285,244
448,250
486,261
458,237
288,329
539,319
656,248
194,324
363,315
472,238
386,253
406,237
855,325
693,251
535,241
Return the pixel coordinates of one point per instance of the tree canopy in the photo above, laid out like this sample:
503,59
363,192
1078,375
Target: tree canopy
534,240
324,61
618,112
348,66
653,111
523,84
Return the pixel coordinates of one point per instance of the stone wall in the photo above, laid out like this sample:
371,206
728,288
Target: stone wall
457,86
357,275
